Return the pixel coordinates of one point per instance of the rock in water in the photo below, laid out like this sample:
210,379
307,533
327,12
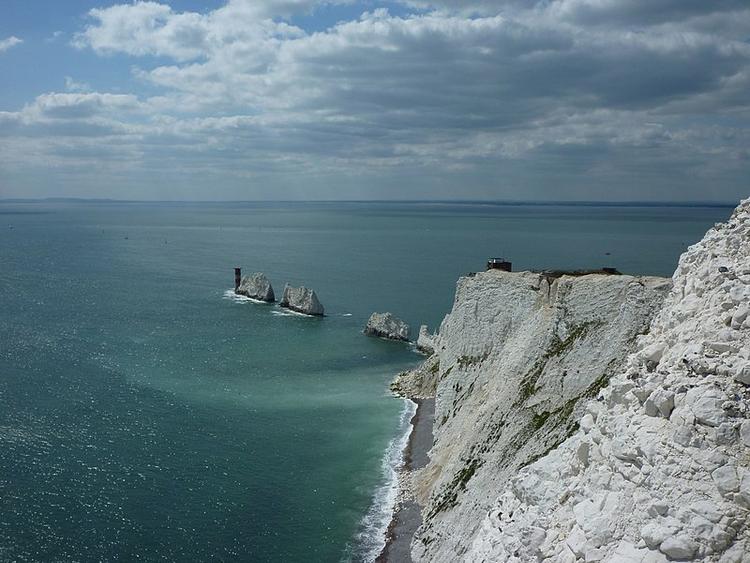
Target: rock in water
385,325
256,286
302,300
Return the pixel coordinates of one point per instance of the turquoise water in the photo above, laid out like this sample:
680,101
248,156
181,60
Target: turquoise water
143,414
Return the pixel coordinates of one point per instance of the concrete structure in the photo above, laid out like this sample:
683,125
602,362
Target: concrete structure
499,264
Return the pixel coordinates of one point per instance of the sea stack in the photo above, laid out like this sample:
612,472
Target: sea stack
425,341
385,325
256,286
302,300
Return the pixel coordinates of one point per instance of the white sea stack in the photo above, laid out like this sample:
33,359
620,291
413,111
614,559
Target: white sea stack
256,286
385,325
301,300
426,342
657,471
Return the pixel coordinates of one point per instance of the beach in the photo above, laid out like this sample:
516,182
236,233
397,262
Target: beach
407,515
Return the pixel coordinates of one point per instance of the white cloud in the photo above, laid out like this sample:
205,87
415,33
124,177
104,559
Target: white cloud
151,28
9,42
81,105
74,86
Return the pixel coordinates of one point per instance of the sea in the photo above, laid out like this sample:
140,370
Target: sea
148,414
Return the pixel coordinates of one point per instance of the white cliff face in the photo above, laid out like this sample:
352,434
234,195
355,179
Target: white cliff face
659,469
514,363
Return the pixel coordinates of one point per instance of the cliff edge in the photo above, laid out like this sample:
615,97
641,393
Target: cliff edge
513,361
660,468
564,432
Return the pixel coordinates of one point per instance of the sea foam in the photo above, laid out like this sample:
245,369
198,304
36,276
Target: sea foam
374,526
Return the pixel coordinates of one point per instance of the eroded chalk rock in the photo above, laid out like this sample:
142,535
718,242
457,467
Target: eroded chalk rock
660,403
679,547
706,405
426,341
256,286
726,479
385,325
301,300
745,433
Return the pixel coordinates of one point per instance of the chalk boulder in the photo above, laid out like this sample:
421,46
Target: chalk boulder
385,325
301,300
256,286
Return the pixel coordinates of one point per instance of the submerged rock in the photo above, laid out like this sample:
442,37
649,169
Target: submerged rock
256,286
302,300
385,325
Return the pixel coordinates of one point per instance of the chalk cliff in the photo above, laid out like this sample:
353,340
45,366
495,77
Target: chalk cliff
660,468
564,432
513,360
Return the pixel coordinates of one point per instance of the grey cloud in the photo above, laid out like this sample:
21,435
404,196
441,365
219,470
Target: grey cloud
81,105
640,12
568,92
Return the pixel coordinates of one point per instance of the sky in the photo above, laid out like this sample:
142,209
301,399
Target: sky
548,100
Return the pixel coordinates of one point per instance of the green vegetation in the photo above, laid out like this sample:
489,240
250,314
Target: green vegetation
572,429
468,361
528,384
599,384
538,420
448,498
557,348
576,332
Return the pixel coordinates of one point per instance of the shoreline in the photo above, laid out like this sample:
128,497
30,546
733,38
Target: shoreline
407,514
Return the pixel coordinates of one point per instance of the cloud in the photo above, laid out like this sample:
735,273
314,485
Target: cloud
144,28
151,28
81,105
9,42
73,86
515,95
640,12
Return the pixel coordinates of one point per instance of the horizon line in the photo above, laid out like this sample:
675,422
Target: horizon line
498,202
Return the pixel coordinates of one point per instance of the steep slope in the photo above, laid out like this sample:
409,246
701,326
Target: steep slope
660,468
513,360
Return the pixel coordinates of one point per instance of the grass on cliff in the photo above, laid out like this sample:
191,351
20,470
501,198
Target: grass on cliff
557,348
468,361
449,497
